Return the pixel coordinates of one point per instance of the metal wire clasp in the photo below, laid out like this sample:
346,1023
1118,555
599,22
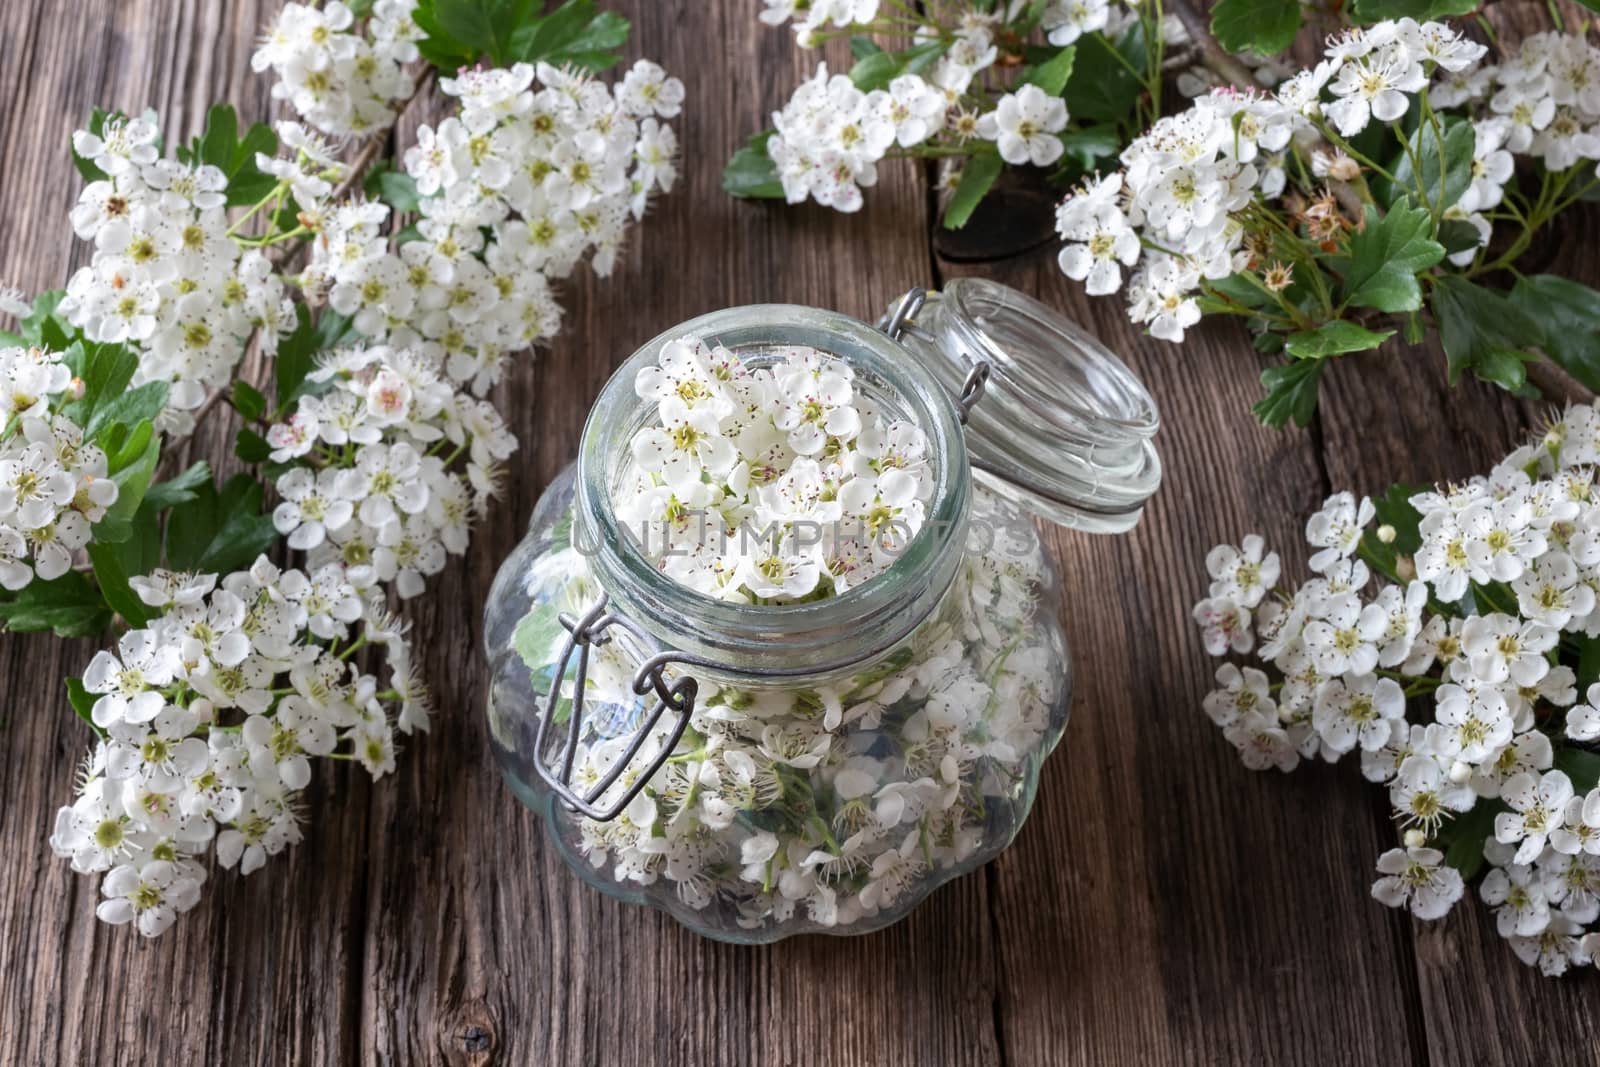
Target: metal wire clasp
677,696
903,317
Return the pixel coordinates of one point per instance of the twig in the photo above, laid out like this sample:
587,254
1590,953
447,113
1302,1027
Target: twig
1214,55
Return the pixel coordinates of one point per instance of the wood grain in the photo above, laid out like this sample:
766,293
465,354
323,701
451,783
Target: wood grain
1163,905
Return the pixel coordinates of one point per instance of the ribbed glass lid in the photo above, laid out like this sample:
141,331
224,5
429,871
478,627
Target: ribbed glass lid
1062,427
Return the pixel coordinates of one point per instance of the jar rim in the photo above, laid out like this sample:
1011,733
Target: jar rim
821,635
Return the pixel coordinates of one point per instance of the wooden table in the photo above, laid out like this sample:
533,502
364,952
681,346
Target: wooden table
1163,905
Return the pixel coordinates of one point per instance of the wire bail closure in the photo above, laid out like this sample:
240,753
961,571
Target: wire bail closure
678,696
903,318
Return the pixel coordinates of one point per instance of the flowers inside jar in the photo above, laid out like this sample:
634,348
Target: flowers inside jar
771,479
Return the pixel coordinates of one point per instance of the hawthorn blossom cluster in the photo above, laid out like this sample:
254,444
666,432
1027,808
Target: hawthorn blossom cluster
772,480
831,136
344,76
1184,209
819,804
208,720
168,278
1458,688
387,469
53,484
515,191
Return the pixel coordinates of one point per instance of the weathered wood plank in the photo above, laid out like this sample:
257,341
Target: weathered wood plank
1166,905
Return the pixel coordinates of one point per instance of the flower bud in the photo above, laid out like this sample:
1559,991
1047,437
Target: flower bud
1404,568
1415,838
1460,772
1386,534
76,388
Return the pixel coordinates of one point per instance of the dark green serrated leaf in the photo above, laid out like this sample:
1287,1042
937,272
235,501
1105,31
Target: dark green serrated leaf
1291,393
1089,145
112,578
977,178
1444,169
128,409
221,146
1265,27
1385,257
220,531
1580,766
575,34
1101,87
133,470
1333,339
751,174
1458,235
1484,332
179,489
1052,74
862,46
1367,12
82,702
70,605
247,400
252,447
874,71
1394,509
1463,837
394,187
1570,314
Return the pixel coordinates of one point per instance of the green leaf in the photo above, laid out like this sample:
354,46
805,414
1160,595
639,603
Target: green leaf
252,447
1385,256
394,187
977,177
82,702
1370,11
1291,393
1580,766
179,489
1334,339
875,71
1265,27
457,32
1484,332
70,605
32,326
862,46
751,174
297,354
129,409
247,400
132,469
218,532
1101,87
1463,837
105,371
1570,312
1089,145
1444,169
222,147
112,578
1458,235
1051,75
575,34
1394,509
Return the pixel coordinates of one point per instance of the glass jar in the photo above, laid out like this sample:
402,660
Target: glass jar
762,771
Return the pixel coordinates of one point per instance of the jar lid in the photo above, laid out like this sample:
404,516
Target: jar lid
1054,421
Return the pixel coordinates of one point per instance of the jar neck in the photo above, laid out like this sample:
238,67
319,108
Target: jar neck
812,638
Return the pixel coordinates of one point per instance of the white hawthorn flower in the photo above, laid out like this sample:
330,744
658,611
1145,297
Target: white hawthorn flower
1417,878
1024,125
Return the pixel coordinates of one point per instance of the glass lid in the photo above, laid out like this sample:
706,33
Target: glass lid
1054,420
